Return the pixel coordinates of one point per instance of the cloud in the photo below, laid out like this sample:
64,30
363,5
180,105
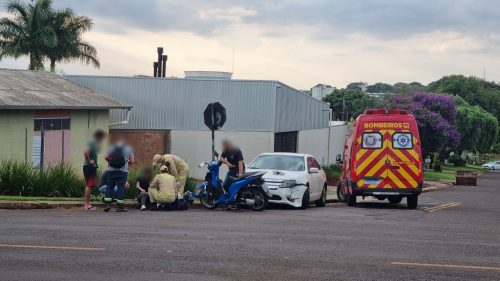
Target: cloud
300,42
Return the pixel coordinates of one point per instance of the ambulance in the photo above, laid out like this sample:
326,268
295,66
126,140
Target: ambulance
382,158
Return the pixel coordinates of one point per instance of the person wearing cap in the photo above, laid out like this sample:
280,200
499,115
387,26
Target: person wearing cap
177,167
162,189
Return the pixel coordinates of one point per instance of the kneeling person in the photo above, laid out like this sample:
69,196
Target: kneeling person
162,189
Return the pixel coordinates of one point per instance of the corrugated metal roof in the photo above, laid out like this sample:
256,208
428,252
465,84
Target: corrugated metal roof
23,89
178,104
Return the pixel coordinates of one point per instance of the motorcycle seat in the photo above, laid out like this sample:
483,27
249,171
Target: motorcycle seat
244,176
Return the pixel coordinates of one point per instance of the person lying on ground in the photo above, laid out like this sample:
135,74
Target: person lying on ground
142,185
177,167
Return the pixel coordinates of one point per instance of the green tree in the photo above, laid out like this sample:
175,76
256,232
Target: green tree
405,89
477,127
349,104
70,46
38,31
355,86
472,89
379,88
28,33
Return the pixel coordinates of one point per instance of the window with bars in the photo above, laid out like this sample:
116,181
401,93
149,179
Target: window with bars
285,142
52,124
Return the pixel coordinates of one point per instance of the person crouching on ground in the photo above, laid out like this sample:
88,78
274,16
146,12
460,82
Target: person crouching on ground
119,156
178,168
143,183
162,189
90,165
103,186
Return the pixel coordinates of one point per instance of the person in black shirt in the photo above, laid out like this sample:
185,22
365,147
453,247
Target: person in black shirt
233,158
142,184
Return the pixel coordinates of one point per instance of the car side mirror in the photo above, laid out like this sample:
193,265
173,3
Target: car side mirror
202,164
338,159
313,170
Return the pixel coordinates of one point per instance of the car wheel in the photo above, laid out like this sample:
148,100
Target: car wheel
412,202
322,200
341,196
305,199
351,200
395,199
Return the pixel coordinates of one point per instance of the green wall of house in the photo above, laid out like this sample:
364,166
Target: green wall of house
17,129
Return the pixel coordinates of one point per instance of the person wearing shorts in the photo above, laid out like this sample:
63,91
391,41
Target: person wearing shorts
90,165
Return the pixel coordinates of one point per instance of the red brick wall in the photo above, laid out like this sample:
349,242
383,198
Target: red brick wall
146,143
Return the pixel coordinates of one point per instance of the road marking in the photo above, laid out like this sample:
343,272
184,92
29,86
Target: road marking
456,266
440,207
50,247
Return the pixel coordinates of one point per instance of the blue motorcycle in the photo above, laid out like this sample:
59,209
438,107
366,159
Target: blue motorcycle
246,191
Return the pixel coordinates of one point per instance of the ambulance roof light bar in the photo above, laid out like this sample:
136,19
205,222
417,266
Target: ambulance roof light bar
385,111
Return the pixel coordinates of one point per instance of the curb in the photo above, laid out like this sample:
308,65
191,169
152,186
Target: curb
33,205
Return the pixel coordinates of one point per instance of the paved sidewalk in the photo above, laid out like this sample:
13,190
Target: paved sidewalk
132,204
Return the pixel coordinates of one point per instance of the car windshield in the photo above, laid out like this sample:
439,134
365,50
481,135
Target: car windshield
278,162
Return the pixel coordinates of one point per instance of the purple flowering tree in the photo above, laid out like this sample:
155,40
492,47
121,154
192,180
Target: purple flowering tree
436,118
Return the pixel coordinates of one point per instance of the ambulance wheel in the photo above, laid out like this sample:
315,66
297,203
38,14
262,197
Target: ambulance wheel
305,199
395,199
341,196
412,202
351,200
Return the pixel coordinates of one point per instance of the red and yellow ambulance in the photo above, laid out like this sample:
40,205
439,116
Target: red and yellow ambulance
382,158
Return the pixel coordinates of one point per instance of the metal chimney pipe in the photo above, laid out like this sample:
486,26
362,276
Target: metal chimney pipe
160,54
164,71
155,69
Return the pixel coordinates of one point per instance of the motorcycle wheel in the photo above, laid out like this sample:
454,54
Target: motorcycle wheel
260,200
208,201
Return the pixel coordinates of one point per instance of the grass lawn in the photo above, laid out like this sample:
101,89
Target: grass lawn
449,172
26,198
434,176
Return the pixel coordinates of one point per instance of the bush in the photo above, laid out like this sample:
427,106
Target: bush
61,180
20,179
333,170
495,148
437,167
457,160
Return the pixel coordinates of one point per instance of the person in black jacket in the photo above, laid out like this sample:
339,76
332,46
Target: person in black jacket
233,158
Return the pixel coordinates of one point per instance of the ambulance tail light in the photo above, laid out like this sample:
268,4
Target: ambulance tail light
353,171
420,169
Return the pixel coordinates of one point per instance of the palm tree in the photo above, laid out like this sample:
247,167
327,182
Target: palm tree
69,29
28,33
38,31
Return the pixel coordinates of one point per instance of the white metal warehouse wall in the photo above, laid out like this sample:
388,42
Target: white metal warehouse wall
195,146
177,104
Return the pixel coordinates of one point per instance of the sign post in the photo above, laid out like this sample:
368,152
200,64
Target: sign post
214,117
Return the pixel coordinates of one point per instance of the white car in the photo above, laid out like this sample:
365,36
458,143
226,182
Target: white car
495,165
291,178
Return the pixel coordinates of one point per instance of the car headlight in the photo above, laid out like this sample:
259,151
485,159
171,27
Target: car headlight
288,184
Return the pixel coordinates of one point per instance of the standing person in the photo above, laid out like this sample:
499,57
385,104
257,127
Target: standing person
119,156
233,158
103,186
162,189
143,183
176,166
90,165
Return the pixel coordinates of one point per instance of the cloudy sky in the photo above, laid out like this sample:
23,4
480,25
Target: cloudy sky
299,42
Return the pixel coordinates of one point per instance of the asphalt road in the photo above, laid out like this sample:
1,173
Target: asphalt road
454,235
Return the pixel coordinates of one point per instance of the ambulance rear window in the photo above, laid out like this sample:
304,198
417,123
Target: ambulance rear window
372,140
402,141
